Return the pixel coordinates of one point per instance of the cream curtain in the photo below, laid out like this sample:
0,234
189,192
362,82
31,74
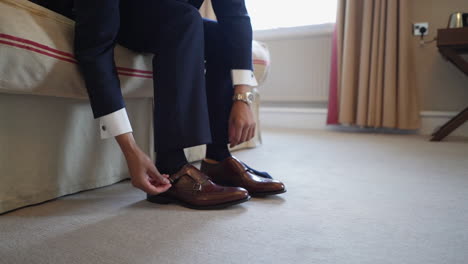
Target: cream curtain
374,71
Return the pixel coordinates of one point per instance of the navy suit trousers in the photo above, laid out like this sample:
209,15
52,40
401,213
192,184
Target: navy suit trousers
192,80
192,63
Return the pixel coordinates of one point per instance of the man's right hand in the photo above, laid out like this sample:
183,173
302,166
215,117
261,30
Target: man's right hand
144,174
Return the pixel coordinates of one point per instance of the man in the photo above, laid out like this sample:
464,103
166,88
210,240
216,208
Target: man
191,107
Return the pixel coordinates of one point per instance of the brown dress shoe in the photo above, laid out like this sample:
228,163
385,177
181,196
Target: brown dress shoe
232,172
193,189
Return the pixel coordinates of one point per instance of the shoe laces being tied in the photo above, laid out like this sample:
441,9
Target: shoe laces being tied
263,174
243,166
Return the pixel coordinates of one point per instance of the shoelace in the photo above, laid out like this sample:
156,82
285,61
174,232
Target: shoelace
263,174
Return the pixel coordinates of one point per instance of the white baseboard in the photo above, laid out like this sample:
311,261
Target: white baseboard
285,117
314,118
432,120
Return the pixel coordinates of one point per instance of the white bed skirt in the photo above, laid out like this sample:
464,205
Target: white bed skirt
50,147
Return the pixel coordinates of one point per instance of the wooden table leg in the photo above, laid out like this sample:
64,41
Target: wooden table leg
450,126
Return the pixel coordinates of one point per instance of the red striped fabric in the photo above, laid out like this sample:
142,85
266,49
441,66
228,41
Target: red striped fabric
61,55
68,57
261,62
36,50
133,70
30,42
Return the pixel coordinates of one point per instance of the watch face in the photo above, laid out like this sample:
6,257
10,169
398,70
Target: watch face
250,97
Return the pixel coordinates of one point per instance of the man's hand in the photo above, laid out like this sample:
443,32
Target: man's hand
241,121
144,174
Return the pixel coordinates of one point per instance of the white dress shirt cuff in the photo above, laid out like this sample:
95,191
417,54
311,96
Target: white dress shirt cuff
245,77
114,124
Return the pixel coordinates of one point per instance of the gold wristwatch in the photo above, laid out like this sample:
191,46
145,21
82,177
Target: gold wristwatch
247,97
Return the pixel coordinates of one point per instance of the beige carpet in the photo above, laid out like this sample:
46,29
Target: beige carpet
352,198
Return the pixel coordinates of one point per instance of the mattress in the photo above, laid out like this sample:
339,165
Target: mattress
36,47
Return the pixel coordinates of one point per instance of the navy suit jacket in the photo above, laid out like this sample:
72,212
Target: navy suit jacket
96,30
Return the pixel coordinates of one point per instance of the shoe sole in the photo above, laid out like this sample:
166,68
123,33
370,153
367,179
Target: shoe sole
166,200
263,194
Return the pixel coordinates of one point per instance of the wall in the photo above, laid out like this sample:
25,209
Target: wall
300,65
442,86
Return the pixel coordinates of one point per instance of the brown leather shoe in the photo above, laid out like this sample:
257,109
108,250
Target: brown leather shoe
193,189
232,172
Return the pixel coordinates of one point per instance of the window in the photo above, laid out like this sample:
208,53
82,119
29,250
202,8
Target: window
269,14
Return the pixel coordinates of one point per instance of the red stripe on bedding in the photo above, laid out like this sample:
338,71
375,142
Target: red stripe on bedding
26,41
135,75
262,62
70,56
63,59
66,54
37,50
133,70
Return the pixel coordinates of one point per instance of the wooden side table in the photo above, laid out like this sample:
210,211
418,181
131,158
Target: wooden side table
452,44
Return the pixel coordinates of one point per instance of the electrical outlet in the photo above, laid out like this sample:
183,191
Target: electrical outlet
421,29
